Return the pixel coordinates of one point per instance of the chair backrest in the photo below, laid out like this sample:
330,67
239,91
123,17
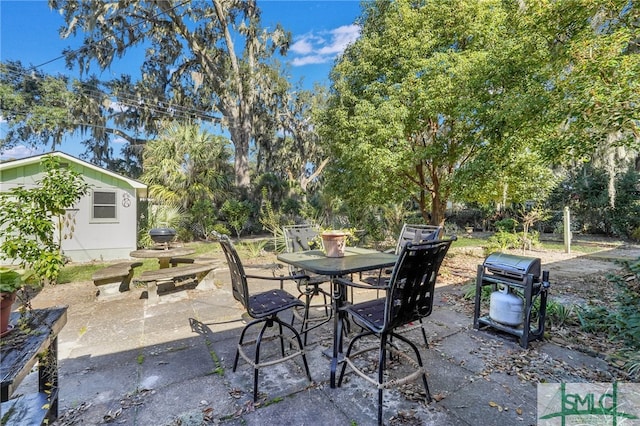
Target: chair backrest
239,285
417,232
412,282
301,237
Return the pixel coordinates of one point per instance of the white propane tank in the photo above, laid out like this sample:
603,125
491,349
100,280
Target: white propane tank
506,308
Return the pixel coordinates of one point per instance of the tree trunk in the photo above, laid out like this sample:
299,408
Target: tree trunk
438,210
240,141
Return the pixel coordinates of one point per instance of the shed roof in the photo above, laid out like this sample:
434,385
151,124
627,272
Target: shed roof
141,188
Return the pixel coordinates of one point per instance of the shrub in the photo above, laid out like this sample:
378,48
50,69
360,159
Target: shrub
507,224
237,214
623,321
501,241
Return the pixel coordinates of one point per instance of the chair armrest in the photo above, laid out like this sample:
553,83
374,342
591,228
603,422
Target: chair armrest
344,281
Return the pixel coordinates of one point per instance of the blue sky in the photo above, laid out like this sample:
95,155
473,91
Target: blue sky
320,29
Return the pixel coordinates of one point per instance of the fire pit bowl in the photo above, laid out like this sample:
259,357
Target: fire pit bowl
162,235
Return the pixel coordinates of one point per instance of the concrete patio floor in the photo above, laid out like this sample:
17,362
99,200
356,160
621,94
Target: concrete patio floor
126,361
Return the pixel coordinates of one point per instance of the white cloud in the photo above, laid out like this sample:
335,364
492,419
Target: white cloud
18,152
319,48
310,60
302,47
120,140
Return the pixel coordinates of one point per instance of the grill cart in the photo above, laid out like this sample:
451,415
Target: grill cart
516,282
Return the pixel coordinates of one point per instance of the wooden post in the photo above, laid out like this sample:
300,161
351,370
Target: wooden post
567,230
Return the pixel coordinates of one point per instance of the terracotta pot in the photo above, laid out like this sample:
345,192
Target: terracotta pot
6,301
334,243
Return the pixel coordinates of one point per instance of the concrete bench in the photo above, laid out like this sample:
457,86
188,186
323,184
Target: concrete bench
175,261
118,273
199,271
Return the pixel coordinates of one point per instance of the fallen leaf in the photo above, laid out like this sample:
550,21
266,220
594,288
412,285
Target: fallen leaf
438,397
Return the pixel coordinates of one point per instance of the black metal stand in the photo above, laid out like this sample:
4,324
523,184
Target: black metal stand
529,288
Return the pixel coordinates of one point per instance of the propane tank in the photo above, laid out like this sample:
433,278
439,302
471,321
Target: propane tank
505,307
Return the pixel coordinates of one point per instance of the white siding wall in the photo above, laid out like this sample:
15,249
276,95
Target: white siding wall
100,240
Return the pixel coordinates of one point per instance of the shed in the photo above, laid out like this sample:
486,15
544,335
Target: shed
103,225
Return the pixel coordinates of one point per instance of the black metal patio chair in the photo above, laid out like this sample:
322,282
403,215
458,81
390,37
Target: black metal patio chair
301,238
410,233
264,308
409,298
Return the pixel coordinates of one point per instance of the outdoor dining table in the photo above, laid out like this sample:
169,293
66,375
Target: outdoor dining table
163,254
354,260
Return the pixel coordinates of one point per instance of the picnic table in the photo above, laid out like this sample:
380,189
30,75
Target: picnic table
163,255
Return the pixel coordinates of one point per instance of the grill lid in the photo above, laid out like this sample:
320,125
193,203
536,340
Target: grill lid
513,266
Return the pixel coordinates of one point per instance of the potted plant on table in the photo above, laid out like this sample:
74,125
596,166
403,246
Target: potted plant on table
11,280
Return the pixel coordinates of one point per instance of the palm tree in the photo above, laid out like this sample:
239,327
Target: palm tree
187,164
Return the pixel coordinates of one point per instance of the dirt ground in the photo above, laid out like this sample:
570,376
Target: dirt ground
577,279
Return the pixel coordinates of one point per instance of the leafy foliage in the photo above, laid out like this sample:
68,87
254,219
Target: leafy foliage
29,214
189,168
586,192
593,87
504,240
186,164
237,214
160,216
427,87
12,280
623,321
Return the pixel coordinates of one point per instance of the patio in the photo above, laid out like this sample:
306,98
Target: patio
131,362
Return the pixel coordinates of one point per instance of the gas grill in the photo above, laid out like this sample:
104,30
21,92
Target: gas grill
519,276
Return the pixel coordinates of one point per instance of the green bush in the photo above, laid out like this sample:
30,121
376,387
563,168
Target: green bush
501,241
237,214
220,228
623,321
506,225
625,217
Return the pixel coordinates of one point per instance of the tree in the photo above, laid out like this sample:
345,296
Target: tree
294,152
41,109
490,181
426,87
186,165
28,217
594,85
191,63
38,108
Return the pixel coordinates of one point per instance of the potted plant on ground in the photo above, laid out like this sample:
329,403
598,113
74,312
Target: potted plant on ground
11,280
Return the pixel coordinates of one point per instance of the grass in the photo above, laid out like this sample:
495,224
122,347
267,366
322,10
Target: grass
466,242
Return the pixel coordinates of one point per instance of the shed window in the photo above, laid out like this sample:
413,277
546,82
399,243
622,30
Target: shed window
104,205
